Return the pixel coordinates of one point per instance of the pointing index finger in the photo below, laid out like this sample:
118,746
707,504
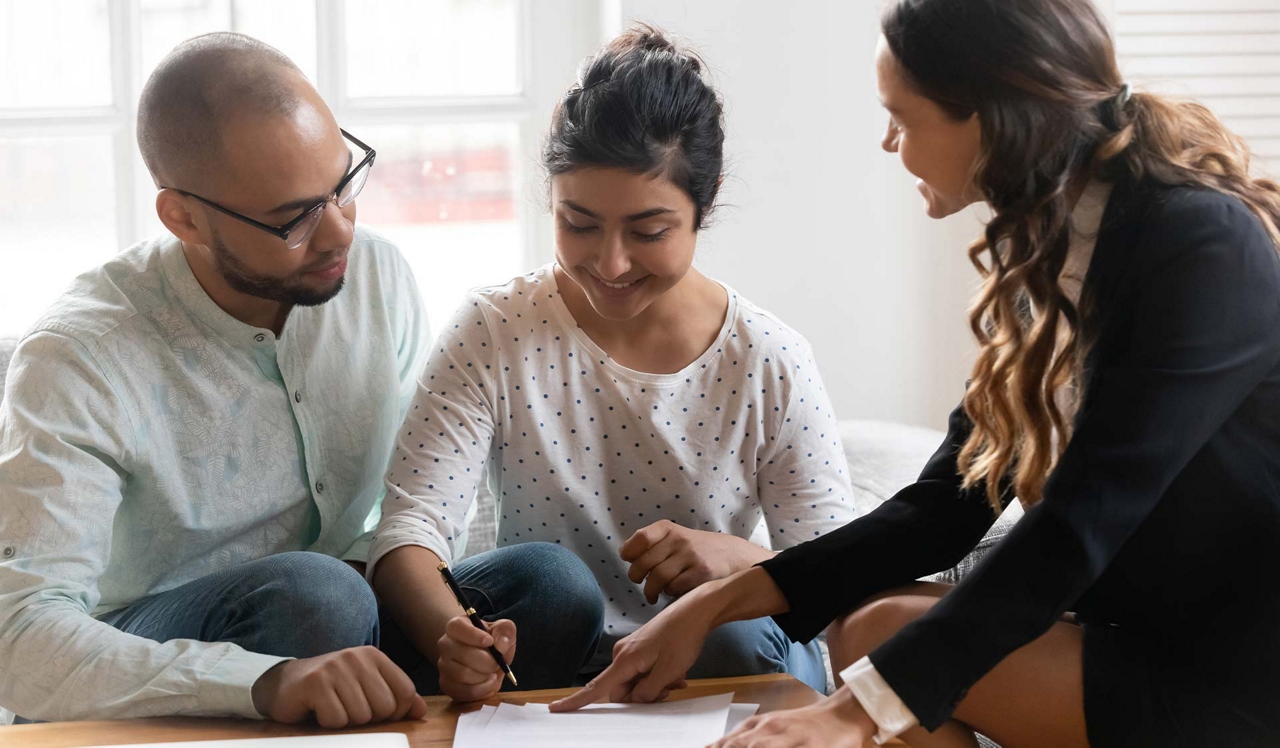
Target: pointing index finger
599,688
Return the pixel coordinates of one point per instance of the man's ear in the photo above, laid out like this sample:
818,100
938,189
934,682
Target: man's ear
171,207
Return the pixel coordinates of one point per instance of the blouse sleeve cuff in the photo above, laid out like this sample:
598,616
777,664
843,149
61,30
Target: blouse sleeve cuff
891,715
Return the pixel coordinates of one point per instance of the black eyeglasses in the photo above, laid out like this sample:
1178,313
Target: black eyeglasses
295,233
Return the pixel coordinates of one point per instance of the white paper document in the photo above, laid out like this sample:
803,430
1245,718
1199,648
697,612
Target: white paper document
671,724
739,713
351,740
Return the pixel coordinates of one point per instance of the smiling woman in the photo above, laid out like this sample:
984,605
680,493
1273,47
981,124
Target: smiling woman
635,418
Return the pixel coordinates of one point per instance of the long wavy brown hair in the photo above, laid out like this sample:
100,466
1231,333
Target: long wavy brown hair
1042,77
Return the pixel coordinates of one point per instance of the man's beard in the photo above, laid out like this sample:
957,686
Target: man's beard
286,290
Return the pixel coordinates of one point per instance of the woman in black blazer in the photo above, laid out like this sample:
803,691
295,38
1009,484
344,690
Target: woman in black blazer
1127,391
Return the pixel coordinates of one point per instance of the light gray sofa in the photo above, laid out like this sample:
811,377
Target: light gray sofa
6,352
883,457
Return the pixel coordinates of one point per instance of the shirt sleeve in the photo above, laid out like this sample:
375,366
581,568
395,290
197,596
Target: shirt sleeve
413,346
1202,336
886,709
804,484
443,447
65,450
415,338
926,527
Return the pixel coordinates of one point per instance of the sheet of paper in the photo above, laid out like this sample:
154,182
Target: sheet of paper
739,713
471,725
691,723
350,740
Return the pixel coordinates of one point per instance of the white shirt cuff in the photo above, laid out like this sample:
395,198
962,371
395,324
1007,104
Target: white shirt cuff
891,715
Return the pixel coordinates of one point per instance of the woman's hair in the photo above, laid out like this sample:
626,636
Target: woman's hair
1042,77
642,104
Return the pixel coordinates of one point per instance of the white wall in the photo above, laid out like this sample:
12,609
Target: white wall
821,226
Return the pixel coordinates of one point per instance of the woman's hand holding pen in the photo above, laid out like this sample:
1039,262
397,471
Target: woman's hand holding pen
468,671
674,559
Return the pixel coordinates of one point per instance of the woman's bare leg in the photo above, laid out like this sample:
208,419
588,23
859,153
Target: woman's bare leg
1033,699
836,645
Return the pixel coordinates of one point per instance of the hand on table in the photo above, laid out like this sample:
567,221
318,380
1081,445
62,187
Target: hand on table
837,721
349,687
674,559
468,671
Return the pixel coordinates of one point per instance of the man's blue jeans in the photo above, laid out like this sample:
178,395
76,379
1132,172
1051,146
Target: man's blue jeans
306,604
290,605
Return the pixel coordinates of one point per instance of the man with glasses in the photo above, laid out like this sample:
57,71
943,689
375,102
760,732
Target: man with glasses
193,438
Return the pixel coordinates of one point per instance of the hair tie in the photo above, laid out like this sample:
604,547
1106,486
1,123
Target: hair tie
1109,111
1122,98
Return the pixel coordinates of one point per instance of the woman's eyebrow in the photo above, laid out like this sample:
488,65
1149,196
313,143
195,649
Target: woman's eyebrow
571,205
649,214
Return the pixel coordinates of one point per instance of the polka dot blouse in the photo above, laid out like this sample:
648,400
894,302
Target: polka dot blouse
583,452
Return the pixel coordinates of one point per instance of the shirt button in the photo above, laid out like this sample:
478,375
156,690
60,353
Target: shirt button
319,487
297,396
8,552
259,337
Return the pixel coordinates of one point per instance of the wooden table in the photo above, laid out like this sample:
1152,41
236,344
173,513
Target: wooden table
771,692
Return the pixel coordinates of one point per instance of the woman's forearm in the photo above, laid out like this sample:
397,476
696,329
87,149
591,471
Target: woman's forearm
742,596
414,592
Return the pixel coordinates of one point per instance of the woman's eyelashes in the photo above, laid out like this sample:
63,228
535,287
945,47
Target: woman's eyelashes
654,237
642,236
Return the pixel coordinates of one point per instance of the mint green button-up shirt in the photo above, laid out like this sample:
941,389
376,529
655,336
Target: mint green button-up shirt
148,439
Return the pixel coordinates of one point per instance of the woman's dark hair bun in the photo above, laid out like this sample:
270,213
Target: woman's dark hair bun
642,104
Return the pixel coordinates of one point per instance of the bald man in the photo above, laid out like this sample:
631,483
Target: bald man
193,438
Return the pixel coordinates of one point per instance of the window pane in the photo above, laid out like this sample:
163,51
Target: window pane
446,195
413,48
287,25
40,71
58,212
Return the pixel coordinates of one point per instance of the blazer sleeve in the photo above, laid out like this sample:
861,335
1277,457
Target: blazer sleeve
925,528
1202,333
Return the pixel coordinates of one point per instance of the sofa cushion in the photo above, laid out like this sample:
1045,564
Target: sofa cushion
7,346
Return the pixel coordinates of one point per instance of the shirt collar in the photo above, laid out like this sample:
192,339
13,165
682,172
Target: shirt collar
192,295
1086,220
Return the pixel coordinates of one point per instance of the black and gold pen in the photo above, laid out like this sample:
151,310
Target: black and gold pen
443,568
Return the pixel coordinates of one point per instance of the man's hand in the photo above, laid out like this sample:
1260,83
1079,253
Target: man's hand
468,671
349,687
673,559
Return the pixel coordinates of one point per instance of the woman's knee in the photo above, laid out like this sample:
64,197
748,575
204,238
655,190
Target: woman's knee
857,634
753,647
547,574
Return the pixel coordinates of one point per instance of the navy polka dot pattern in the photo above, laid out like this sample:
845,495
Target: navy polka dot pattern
583,452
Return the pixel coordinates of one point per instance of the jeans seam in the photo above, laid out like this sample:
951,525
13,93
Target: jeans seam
488,601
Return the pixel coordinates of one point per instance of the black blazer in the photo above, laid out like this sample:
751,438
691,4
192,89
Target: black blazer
1163,515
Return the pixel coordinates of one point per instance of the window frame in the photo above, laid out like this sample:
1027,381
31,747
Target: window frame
551,42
